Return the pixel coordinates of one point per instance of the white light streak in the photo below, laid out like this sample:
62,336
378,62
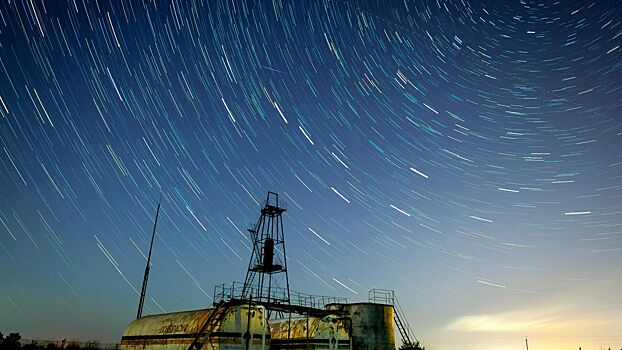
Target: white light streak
281,113
305,133
318,236
578,213
480,219
419,173
491,284
398,209
339,194
344,286
228,110
507,190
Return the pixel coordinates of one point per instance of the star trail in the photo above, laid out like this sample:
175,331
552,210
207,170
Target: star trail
467,154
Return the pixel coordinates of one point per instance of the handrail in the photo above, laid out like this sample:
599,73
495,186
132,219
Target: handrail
278,295
387,297
208,327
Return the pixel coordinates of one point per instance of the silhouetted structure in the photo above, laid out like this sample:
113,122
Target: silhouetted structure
241,314
267,267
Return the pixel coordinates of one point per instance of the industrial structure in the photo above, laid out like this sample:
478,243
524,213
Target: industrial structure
263,313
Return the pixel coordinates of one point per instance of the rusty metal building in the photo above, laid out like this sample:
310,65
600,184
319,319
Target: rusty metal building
368,326
225,327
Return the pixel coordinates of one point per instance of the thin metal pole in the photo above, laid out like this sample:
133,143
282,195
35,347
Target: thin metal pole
141,303
248,336
261,251
270,233
308,347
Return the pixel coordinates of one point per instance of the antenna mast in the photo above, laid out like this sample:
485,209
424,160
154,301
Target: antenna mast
144,289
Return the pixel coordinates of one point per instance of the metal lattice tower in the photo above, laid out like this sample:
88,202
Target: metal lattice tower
266,278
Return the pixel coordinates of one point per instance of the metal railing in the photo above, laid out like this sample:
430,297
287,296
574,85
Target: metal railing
381,296
387,297
276,295
272,201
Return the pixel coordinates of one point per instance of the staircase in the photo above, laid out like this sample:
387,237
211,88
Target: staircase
402,325
387,297
212,322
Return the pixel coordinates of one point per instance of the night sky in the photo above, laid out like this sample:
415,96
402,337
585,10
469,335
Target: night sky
466,154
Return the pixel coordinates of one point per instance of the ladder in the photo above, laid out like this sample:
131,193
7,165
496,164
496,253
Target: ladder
402,326
406,333
212,322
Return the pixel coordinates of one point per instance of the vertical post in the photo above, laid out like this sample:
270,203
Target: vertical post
248,336
139,313
526,343
308,346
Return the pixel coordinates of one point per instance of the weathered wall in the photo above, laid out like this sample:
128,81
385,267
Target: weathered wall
176,331
314,333
372,325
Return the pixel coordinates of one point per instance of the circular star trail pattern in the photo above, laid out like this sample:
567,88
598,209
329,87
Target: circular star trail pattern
466,154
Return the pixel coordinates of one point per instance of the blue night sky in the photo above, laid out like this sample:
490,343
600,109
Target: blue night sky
467,154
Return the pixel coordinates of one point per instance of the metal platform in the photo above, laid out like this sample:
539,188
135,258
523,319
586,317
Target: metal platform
299,303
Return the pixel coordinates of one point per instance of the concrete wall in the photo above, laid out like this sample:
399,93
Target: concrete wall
372,325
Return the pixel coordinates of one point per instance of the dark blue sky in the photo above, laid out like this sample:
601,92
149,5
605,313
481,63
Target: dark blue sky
466,154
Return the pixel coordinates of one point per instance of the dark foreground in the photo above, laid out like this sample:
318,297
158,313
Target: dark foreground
14,341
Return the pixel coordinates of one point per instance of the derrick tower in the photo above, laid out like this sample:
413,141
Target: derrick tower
266,279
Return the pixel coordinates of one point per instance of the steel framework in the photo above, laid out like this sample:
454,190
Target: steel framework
267,268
